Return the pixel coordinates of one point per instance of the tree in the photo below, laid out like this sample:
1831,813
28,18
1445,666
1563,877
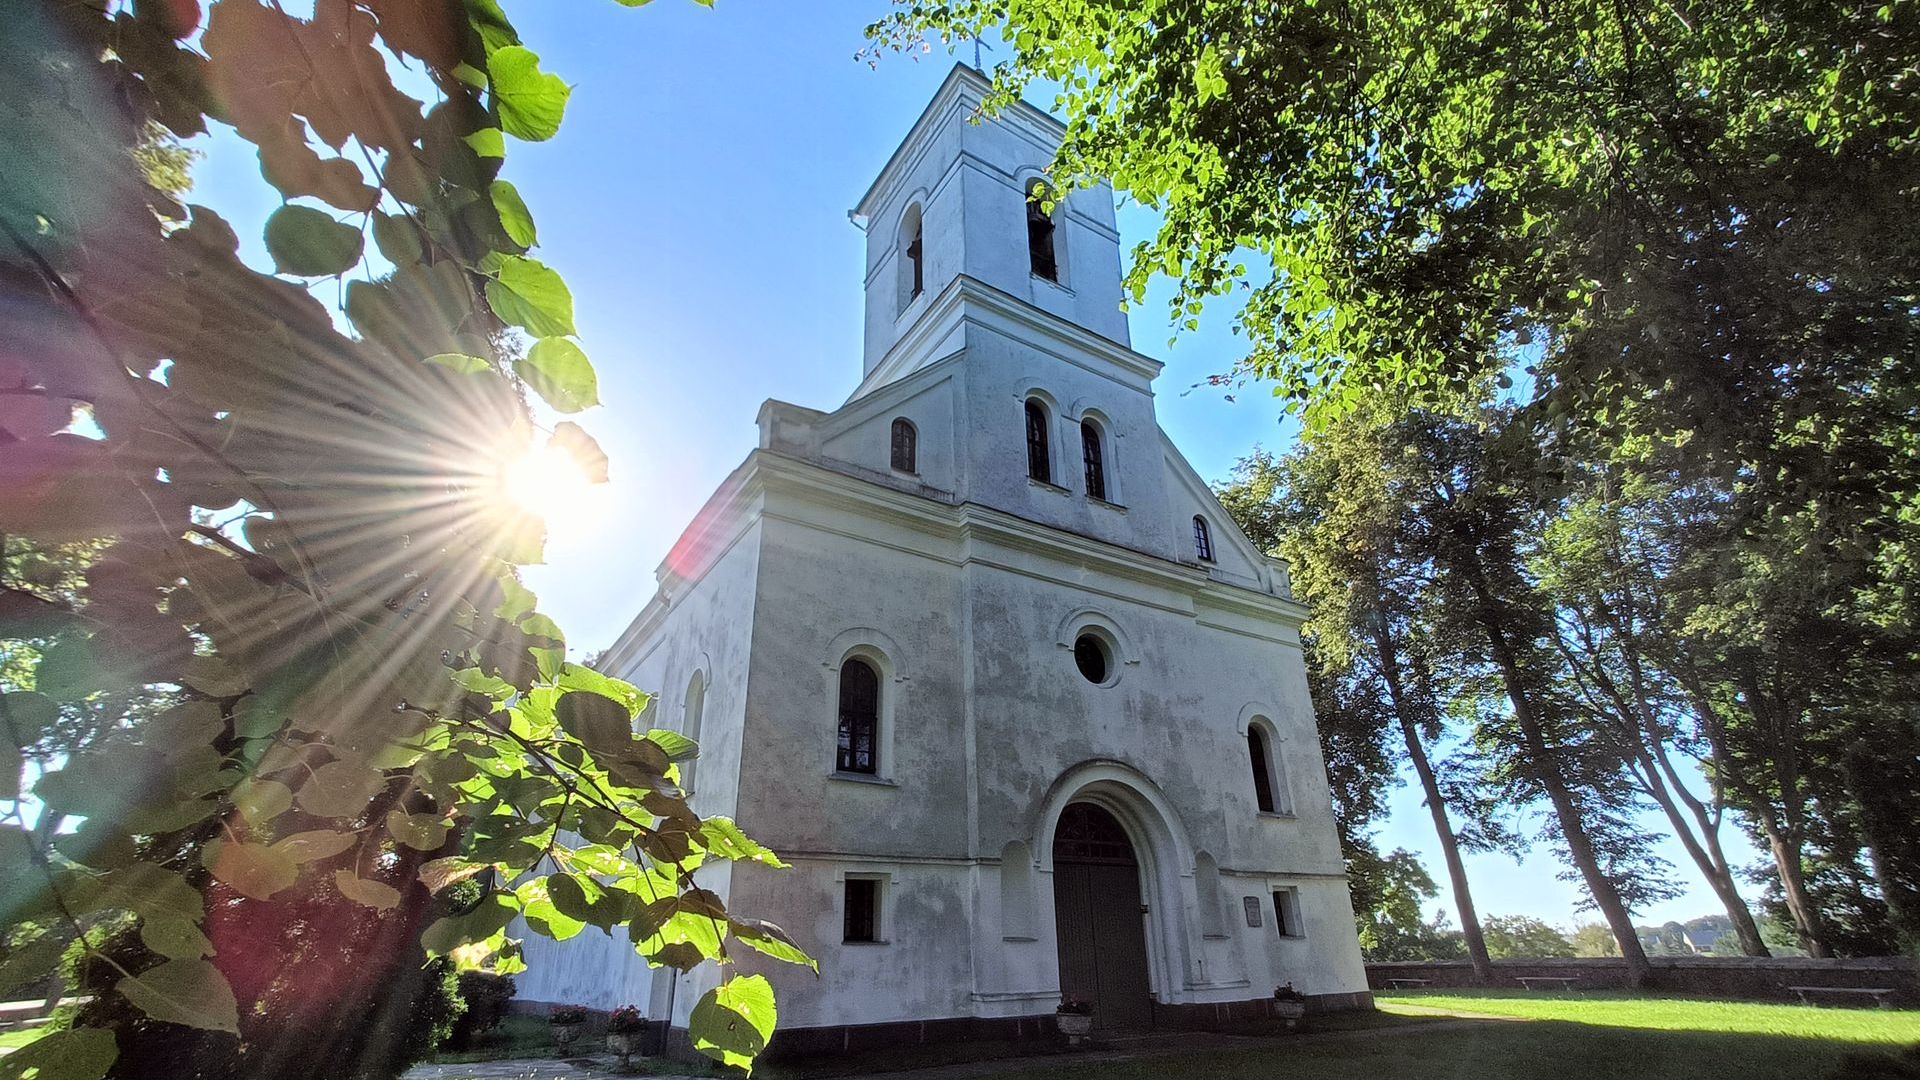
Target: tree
1688,231
1324,510
274,687
1392,925
1523,937
1593,939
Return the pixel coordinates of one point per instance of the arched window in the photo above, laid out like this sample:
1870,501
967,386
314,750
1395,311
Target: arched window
1039,463
913,256
1090,457
690,726
906,445
859,717
1202,539
1262,769
1040,253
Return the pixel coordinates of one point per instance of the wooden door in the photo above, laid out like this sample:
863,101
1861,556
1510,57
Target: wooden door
1099,919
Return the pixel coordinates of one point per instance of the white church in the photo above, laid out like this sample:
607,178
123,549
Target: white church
1022,707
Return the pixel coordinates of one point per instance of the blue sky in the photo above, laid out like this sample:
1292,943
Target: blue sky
696,201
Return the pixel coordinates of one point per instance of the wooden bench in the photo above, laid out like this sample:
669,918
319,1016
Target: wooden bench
1404,984
1878,993
1565,981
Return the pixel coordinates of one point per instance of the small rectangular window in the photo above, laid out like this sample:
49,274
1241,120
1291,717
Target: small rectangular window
863,910
1286,913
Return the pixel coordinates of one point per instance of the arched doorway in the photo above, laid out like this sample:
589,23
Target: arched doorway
1099,918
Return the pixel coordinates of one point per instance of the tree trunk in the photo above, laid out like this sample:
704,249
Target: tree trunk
1663,782
1784,848
1579,845
1443,828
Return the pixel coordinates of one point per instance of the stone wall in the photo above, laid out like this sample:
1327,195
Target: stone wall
1758,978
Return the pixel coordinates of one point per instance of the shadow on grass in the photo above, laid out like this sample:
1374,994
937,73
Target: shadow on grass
1508,1050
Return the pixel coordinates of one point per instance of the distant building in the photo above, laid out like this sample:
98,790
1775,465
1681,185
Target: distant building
979,653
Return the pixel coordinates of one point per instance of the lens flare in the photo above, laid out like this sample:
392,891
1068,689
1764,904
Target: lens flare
547,482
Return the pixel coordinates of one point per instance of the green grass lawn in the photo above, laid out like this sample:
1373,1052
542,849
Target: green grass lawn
14,1040
1580,1036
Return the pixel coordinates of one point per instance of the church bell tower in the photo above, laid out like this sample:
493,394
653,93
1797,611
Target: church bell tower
952,224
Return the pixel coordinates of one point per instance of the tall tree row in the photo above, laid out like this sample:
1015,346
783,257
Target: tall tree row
1688,238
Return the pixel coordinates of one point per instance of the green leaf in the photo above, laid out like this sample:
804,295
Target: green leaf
676,746
31,961
531,101
722,837
308,243
253,870
527,293
260,801
733,1021
72,1054
339,789
175,939
560,373
397,238
487,142
421,832
489,918
374,894
482,683
599,722
576,677
189,992
770,939
315,844
460,362
514,215
581,447
30,713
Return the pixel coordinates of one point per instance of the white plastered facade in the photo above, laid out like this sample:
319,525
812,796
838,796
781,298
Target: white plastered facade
965,583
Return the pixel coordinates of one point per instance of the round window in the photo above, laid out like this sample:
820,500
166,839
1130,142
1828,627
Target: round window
1091,656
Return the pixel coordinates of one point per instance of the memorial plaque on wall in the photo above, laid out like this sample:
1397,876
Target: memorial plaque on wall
1253,909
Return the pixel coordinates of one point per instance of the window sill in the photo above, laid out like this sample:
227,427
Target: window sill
865,944
1276,815
862,778
1117,508
1047,485
1050,283
1216,937
1018,937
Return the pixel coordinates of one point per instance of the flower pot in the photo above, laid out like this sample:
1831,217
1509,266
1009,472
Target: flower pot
1289,1011
565,1034
624,1043
1074,1026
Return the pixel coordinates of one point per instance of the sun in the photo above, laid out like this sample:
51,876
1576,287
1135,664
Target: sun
547,482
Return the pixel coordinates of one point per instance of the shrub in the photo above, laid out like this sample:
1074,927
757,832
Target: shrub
487,997
568,1014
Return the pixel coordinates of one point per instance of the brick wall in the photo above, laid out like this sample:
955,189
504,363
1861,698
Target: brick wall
1758,978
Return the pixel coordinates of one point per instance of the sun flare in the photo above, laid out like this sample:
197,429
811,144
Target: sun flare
547,482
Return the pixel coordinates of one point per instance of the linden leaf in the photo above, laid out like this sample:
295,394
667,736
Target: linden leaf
515,218
421,832
189,992
308,243
531,101
374,894
339,789
175,939
733,1021
306,847
254,870
560,373
528,293
581,447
